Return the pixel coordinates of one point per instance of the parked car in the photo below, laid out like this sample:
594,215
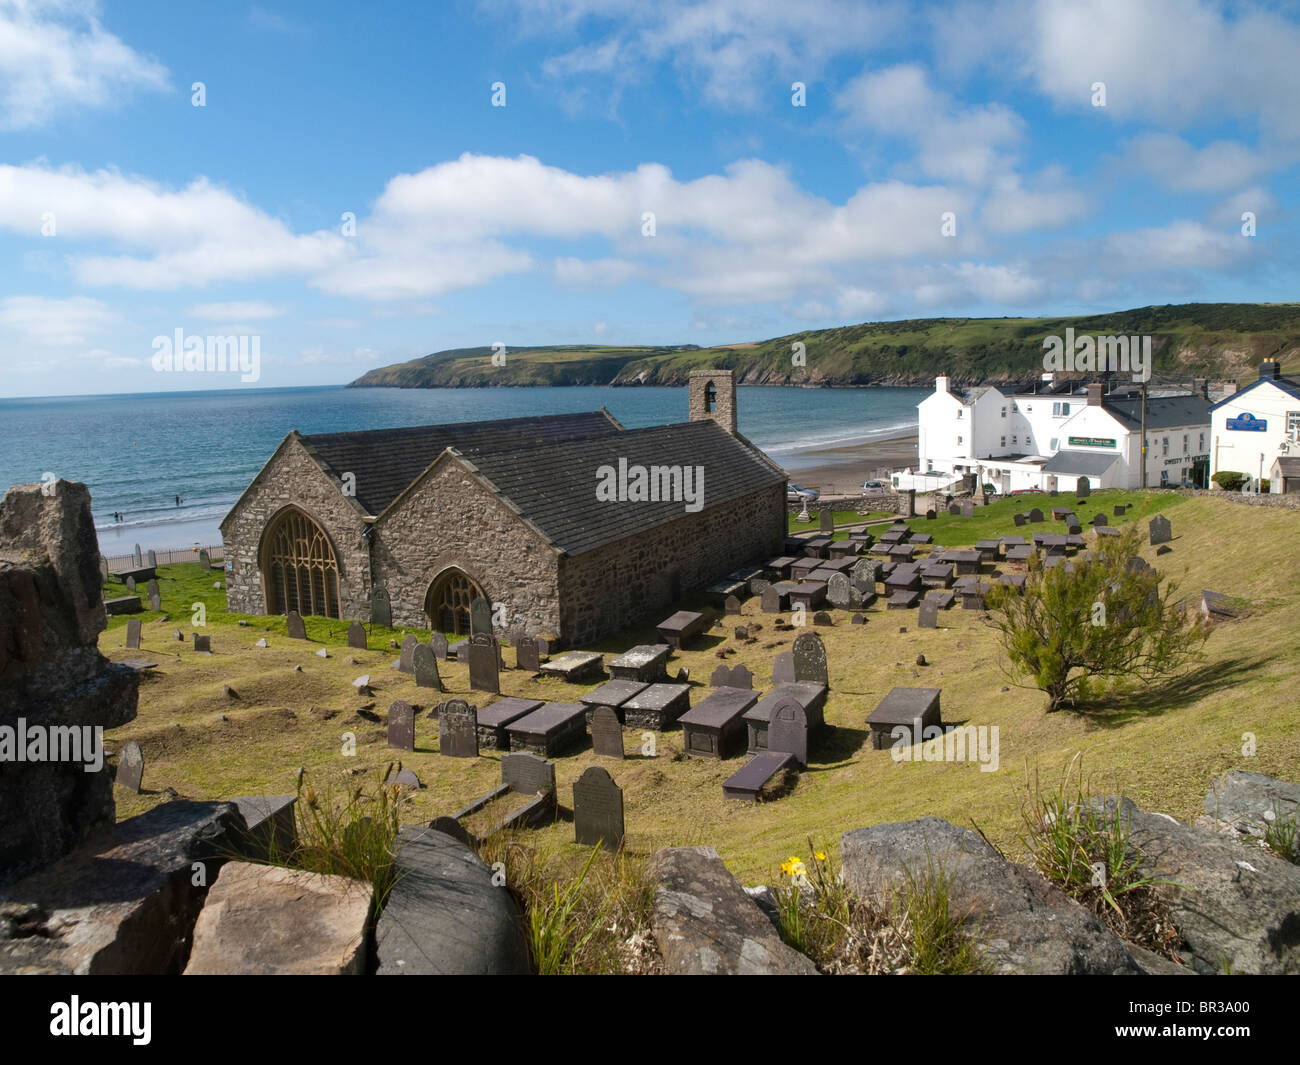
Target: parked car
795,494
871,487
1028,491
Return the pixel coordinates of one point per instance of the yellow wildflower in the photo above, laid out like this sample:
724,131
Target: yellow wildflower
820,856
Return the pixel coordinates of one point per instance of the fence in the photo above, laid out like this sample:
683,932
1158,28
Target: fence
165,558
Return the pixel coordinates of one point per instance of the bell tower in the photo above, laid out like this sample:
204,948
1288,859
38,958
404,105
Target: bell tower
713,397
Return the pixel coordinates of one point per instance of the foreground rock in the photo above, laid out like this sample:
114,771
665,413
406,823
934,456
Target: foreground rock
1237,907
266,920
1243,804
705,923
445,916
1021,923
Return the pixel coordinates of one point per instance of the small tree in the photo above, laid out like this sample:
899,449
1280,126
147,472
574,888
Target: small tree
1103,618
1229,480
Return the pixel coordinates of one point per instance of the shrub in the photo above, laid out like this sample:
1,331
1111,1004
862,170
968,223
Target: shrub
1229,480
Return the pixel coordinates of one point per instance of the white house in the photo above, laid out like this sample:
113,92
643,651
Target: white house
1059,433
1254,428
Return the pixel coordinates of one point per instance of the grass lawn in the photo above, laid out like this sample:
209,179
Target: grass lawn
1161,747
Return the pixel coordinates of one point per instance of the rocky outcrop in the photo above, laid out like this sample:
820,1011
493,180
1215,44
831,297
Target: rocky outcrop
706,924
1243,804
54,683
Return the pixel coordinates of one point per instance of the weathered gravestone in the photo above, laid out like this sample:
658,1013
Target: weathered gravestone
103,570
968,509
839,590
357,635
153,558
130,766
130,584
293,622
403,778
771,601
809,655
205,560
606,732
928,616
155,601
1083,488
954,509
526,656
438,642
826,521
1035,516
425,667
203,643
823,619
133,634
480,616
527,773
1074,529
1119,510
381,608
484,662
857,619
597,809
930,514
458,729
1099,519
1019,519
401,725
783,668
406,662
864,575
787,730
1160,529
151,588
731,605
137,557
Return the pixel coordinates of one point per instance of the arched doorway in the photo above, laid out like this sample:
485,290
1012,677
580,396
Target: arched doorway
447,604
299,567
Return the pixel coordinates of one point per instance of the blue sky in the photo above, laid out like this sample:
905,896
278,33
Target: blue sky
127,213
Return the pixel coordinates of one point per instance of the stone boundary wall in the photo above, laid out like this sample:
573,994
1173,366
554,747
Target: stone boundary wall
1269,499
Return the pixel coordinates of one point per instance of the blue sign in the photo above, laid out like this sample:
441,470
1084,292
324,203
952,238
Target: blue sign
1248,423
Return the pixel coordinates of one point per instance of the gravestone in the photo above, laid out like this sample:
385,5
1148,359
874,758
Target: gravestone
103,570
826,521
527,773
205,560
155,602
1074,530
138,557
293,622
1083,488
401,726
526,656
1099,519
1119,510
741,677
720,676
783,668
406,663
864,575
1035,516
787,730
130,766
1019,519
133,634
597,809
857,619
731,605
809,655
968,509
928,616
484,662
930,514
822,619
607,733
403,778
357,636
425,667
203,643
954,509
130,584
771,601
1160,529
381,608
153,558
439,644
458,729
839,590
480,616
151,588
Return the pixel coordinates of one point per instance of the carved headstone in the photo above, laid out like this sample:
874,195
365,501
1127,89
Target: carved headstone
731,605
1160,529
864,575
783,668
771,601
787,730
401,726
381,608
151,588
857,619
928,616
153,557
1083,488
810,659
1119,510
527,773
930,514
607,733
130,766
293,622
425,667
838,590
439,644
1035,516
405,778
406,663
155,601
968,509
1019,519
137,557
484,662
133,634
130,584
357,635
458,729
741,677
203,643
526,656
205,559
720,677
954,509
597,809
826,521
1099,519
823,619
480,616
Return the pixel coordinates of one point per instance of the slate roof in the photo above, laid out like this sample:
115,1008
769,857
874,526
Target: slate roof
1289,385
1288,465
1081,463
1163,412
386,461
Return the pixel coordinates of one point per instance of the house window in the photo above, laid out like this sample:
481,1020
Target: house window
959,439
1164,476
1004,412
1293,423
1015,439
959,412
1004,442
1200,443
1164,446
1184,443
1056,442
1060,410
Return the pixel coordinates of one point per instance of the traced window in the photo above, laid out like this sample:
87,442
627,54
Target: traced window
301,571
448,602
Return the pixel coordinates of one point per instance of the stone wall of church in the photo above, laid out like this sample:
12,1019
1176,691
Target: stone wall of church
632,580
293,477
451,519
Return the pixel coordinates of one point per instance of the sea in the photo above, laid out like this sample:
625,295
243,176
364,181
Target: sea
140,453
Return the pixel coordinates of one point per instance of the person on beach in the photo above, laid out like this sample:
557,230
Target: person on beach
178,501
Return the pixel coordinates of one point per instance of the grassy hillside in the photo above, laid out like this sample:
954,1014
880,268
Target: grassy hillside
1204,339
1160,746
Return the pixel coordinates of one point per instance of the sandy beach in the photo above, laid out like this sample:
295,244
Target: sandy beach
841,469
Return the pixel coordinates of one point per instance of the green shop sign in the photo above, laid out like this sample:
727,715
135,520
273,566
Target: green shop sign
1090,441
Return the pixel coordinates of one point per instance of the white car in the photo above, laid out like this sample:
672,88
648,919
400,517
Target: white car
795,494
872,487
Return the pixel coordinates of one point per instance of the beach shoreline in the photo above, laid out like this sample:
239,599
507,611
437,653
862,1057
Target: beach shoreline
840,469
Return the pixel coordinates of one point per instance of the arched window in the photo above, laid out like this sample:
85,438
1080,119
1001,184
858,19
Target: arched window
299,566
710,397
447,603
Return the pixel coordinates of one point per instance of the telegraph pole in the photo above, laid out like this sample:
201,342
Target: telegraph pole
1144,435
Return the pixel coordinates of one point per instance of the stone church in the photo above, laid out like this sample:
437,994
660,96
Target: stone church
567,524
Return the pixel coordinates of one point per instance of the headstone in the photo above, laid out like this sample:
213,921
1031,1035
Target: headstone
406,663
742,632
357,636
153,558
731,605
968,509
138,557
130,766
425,667
133,634
1119,510
864,575
484,662
787,730
954,509
1035,516
439,644
155,602
810,659
103,569
458,729
526,656
741,677
203,643
928,617
857,619
930,514
1099,519
1019,519
1160,529
783,668
607,733
404,778
822,619
838,590
597,809
449,826
130,584
480,616
381,608
205,560
826,521
151,588
720,676
1074,530
401,726
771,601
1083,488
293,622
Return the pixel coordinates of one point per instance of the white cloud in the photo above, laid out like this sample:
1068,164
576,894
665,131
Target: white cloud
249,309
1011,208
1182,245
600,328
55,55
1180,166
55,323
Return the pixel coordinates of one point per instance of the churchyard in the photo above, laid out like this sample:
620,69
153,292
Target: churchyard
242,720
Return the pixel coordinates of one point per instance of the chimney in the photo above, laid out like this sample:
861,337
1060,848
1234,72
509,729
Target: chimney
1201,387
1269,370
1229,388
712,397
941,383
1094,394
